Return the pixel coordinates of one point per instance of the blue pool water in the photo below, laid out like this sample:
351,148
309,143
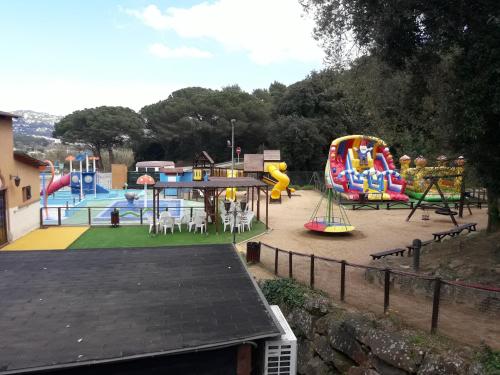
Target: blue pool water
65,198
128,212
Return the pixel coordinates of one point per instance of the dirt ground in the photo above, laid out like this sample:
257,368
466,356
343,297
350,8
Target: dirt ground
376,230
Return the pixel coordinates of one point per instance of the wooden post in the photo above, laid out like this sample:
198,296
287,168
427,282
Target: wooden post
435,304
342,280
445,203
420,200
416,245
253,196
276,261
58,215
154,210
258,203
311,273
41,217
462,198
205,200
290,266
267,207
387,285
157,202
141,216
216,202
90,217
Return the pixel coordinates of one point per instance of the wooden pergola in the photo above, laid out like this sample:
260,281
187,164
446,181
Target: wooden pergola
211,193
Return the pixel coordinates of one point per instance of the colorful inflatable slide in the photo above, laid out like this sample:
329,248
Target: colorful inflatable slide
360,164
450,181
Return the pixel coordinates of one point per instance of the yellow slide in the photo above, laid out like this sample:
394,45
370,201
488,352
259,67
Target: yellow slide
283,179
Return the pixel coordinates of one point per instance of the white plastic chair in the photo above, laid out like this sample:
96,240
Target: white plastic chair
167,222
235,224
182,220
190,222
226,220
199,222
244,222
151,224
250,215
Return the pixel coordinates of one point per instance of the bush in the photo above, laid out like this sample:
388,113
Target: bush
490,360
284,292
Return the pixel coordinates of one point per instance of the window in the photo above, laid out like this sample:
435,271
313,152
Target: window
26,193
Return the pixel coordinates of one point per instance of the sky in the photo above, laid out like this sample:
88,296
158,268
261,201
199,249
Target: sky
58,56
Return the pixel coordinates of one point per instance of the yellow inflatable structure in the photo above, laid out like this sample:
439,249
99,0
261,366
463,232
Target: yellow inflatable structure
417,183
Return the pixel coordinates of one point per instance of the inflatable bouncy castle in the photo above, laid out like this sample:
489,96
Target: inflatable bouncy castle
361,166
450,177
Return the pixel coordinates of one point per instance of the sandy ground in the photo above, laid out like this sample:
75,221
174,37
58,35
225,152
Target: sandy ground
376,230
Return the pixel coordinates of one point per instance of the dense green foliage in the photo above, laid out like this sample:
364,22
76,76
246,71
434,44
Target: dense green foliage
490,360
101,128
428,83
301,119
284,292
26,142
195,119
453,43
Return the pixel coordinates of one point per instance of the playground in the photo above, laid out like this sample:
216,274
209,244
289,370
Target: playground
362,210
360,173
376,230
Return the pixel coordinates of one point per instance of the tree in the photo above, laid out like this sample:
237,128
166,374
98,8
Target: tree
195,119
101,128
416,36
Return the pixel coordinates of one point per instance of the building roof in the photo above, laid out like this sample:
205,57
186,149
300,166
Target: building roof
26,159
208,157
7,114
213,183
172,170
95,306
154,164
272,155
253,163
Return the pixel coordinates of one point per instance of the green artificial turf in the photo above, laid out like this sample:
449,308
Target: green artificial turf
138,236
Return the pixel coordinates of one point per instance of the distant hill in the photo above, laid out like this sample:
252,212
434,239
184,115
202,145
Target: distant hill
37,124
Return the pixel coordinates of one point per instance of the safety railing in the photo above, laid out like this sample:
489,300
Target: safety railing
464,311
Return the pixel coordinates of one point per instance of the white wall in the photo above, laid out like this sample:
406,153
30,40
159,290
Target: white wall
23,220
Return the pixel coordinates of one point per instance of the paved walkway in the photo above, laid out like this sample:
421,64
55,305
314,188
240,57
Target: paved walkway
52,238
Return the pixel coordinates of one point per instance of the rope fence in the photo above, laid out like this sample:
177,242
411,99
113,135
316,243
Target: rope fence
422,300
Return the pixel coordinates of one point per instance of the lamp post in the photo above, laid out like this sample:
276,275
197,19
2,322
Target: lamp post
232,146
232,176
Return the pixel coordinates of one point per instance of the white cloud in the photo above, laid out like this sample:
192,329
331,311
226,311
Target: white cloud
268,31
164,52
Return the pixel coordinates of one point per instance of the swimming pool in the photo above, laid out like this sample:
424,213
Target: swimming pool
64,198
132,213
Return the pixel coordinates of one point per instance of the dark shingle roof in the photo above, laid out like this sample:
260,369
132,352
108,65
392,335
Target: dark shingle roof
26,159
74,307
8,114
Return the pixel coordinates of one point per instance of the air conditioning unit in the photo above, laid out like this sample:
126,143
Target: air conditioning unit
280,356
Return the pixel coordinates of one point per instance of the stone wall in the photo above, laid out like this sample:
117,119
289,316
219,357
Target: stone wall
333,340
